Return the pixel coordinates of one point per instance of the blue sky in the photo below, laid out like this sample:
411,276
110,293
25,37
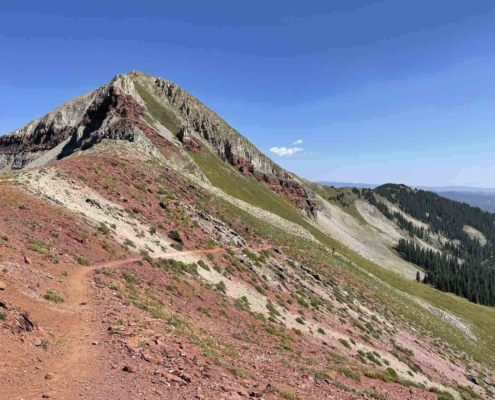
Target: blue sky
384,91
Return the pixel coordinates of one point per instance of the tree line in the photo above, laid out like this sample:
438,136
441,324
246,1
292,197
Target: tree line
472,278
401,220
464,266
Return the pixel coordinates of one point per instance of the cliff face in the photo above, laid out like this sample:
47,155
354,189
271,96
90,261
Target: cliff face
139,108
39,136
200,125
76,125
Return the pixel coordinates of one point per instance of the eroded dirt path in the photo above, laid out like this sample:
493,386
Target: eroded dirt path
117,263
70,327
73,327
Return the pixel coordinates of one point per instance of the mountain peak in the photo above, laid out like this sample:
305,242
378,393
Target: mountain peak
152,113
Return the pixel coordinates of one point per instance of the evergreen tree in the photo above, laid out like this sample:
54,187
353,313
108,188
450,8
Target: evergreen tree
464,265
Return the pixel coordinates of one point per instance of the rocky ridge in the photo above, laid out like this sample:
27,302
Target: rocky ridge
151,112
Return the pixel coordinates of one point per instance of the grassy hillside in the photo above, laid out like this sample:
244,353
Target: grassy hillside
343,198
357,269
481,319
223,176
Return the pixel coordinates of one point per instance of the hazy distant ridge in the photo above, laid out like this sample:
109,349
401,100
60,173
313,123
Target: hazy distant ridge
483,198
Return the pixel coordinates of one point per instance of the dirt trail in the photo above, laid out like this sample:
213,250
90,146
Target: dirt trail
117,263
75,326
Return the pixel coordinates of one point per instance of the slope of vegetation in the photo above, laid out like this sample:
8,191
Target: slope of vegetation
443,215
472,279
360,271
357,268
158,111
248,189
465,268
343,198
253,192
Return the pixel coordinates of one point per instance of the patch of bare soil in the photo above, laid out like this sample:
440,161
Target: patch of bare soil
475,234
48,346
373,241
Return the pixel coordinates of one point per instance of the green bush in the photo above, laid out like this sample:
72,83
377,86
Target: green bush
345,343
203,265
392,372
103,228
370,356
354,375
51,295
242,303
260,290
217,268
271,308
205,311
130,278
249,254
221,287
174,235
82,260
129,242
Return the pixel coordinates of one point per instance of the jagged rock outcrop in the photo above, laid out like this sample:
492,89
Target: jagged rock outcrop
111,112
39,136
150,111
201,123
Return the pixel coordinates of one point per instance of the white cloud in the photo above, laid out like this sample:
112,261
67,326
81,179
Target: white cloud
298,141
284,151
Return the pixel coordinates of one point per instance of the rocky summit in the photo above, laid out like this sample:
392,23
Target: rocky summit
149,250
152,113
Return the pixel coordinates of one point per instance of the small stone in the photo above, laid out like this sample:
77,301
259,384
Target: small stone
49,376
152,360
3,286
27,260
130,369
172,378
186,377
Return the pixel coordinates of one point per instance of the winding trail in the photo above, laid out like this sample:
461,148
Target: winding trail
75,326
163,255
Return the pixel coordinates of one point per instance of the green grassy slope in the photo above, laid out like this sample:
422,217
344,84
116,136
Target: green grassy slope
480,319
328,193
158,111
223,176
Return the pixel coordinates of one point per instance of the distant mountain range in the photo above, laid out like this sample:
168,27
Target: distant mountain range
485,201
483,198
